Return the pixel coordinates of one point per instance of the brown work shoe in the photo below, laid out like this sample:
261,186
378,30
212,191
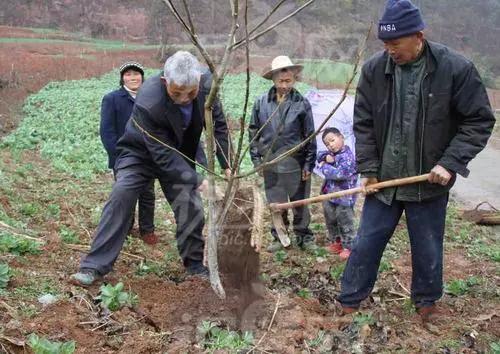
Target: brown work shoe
426,312
342,310
348,310
430,314
150,238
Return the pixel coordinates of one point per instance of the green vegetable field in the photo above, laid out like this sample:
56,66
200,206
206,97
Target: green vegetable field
62,120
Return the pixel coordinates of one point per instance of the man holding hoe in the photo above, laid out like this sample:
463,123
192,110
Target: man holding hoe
420,108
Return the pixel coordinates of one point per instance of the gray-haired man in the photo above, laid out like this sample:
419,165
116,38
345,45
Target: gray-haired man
168,111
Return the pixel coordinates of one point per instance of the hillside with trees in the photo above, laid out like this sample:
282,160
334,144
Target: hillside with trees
326,29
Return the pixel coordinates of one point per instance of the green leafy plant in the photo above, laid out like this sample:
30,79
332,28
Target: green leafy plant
4,275
280,256
408,307
68,235
113,298
18,246
41,345
62,120
321,252
29,209
54,210
317,341
495,347
317,227
384,266
480,249
361,319
216,338
304,293
459,287
337,270
147,267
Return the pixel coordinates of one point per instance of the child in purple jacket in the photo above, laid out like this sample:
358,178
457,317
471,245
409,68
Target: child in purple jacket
338,165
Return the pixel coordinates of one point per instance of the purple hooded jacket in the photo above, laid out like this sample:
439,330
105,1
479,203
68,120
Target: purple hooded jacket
339,175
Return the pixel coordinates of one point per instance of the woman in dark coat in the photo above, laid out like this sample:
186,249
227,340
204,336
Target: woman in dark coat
115,112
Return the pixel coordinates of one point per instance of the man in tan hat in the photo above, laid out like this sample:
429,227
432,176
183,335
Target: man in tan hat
281,119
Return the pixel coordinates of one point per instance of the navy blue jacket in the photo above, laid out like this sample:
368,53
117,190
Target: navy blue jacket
116,108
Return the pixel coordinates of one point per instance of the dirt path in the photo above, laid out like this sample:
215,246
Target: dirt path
483,183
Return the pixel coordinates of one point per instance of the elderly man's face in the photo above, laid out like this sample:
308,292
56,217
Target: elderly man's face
406,49
181,95
284,81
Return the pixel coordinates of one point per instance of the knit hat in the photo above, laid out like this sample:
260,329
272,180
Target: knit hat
401,18
131,65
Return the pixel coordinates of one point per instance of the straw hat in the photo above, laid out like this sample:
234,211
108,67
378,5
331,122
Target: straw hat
279,63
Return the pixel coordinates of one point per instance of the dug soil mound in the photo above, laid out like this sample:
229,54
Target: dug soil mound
238,260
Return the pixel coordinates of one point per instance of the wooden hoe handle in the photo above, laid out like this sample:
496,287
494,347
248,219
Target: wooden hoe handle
385,184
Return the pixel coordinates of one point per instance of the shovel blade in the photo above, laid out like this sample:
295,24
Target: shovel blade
280,228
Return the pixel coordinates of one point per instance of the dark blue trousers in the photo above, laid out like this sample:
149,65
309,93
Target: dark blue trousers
426,223
110,235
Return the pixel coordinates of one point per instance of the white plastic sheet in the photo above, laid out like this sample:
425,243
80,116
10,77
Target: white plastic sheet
322,103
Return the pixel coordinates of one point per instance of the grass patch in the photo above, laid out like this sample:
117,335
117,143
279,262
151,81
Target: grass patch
481,249
29,209
361,319
280,256
459,287
328,72
384,266
336,271
35,287
216,338
17,245
495,347
62,120
317,341
68,236
41,345
304,293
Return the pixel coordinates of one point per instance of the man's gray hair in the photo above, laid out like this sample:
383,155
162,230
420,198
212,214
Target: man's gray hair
183,69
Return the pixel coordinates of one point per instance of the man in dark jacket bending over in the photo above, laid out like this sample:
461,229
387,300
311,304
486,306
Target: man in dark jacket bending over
420,108
168,111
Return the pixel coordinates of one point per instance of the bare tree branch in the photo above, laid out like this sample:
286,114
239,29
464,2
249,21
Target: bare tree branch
215,220
320,128
261,23
144,131
247,94
188,14
213,225
231,188
192,36
260,34
260,131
